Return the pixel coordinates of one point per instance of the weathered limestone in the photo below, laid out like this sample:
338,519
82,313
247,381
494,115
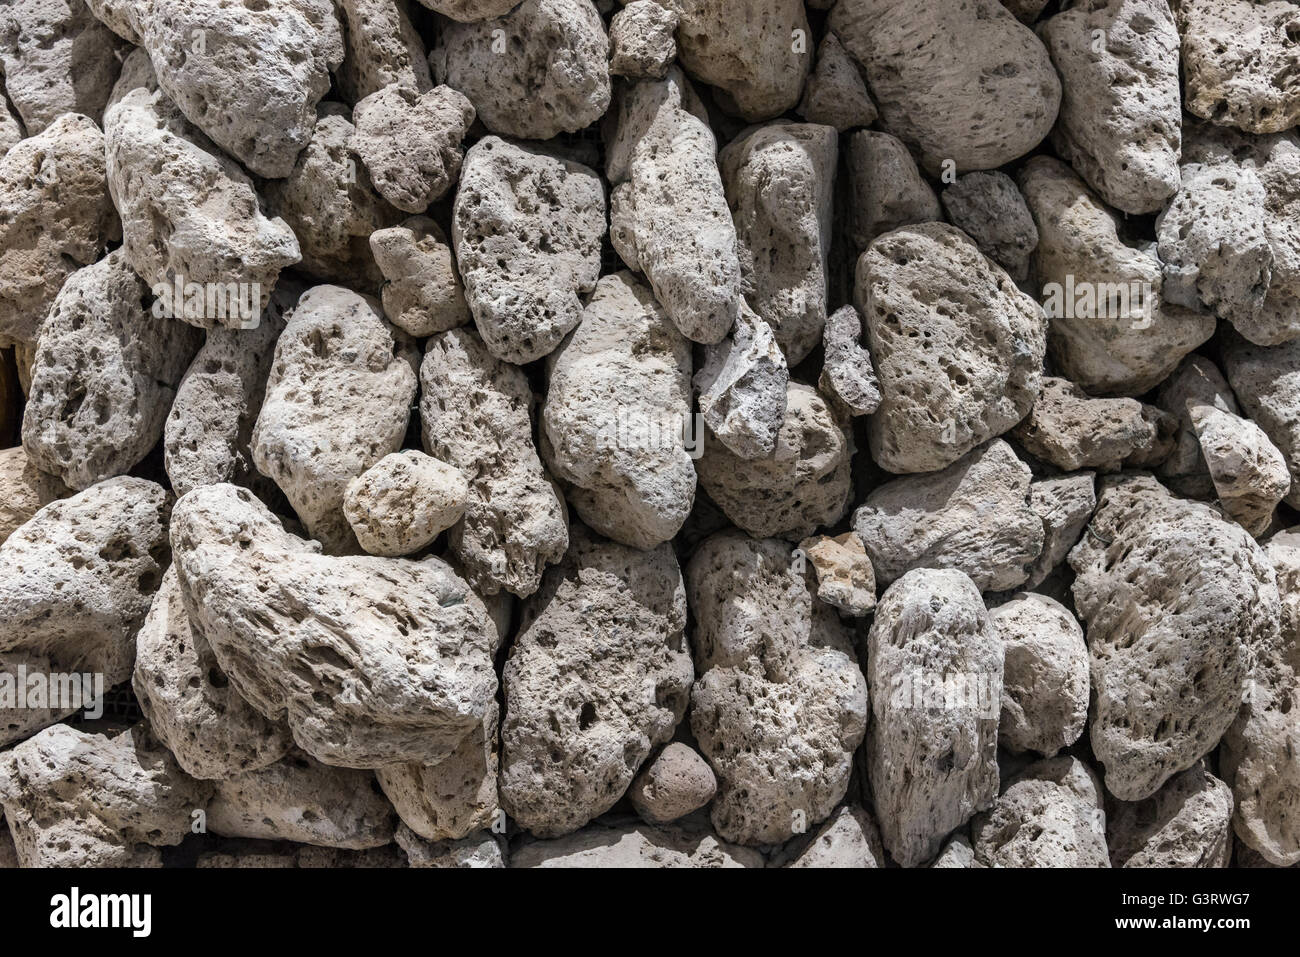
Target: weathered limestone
337,401
643,40
931,767
957,347
888,189
1267,383
373,661
780,704
105,375
1187,823
403,502
835,93
1050,815
422,292
742,387
850,839
635,846
677,782
990,209
974,516
848,375
527,228
383,47
845,578
479,851
1065,505
617,407
475,412
598,677
1248,471
24,490
1196,381
1175,599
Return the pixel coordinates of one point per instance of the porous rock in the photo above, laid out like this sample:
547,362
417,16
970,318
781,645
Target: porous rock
887,188
422,291
24,490
845,578
1049,815
835,93
403,502
1248,471
677,782
989,208
1187,823
637,845
643,40
742,387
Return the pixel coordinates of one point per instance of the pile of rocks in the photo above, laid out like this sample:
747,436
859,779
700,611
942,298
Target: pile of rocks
725,433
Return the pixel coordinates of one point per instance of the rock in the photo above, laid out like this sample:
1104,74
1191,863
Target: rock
1174,598
331,203
1249,473
780,704
1026,11
422,291
888,190
1121,116
537,71
403,502
11,133
1113,333
481,851
991,210
189,214
40,704
527,227
958,348
76,581
1065,505
56,58
1073,431
383,47
850,839
1045,675
1267,383
668,211
598,677
643,40
58,217
957,854
1196,381
191,707
410,142
636,846
475,411
83,800
968,85
467,11
835,93
845,578
105,375
298,799
207,436
24,490
756,53
248,76
677,782
805,484
1186,824
779,182
373,661
1050,815
932,762
242,853
1240,62
848,377
338,398
617,405
742,387
974,516
1257,754
455,797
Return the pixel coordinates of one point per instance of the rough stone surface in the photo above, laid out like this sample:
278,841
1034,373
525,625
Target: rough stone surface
848,375
887,188
845,578
24,490
643,40
835,93
990,209
1187,823
403,502
1267,384
1050,815
850,839
1196,381
1248,471
1065,505
479,852
677,782
636,845
742,387
383,47
422,292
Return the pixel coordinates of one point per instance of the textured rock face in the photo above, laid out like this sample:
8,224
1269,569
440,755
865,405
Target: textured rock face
56,58
888,189
24,490
673,785
835,94
543,217
383,48
1267,383
598,677
974,516
83,800
58,216
636,846
1072,431
202,51
848,375
1187,823
845,578
189,213
668,211
76,581
338,397
1126,338
780,704
958,348
11,128
1050,815
742,388
990,209
1064,504
617,408
805,484
966,84
1249,472
1197,381
422,292
372,661
1171,621
932,754
850,839
1240,61
403,502
105,374
539,70
467,11
187,698
475,413
1045,675
1121,116
481,851
643,40
779,181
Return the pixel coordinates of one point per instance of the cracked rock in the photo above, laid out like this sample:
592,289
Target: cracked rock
742,388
